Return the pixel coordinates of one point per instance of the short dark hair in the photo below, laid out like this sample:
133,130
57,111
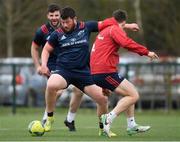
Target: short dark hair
53,7
120,15
68,12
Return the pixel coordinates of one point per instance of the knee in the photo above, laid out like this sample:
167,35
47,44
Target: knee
135,96
52,87
103,101
59,93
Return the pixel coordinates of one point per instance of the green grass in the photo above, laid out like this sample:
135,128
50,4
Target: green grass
165,126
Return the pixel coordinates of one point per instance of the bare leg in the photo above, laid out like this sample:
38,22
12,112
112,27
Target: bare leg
130,111
130,94
58,94
73,107
75,100
54,84
96,94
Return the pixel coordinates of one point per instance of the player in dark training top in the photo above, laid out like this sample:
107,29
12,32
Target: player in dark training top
71,44
41,36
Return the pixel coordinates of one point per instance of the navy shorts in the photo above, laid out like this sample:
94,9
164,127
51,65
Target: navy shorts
108,81
76,79
51,67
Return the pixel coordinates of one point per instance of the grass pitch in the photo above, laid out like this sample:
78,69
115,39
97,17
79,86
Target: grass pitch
165,126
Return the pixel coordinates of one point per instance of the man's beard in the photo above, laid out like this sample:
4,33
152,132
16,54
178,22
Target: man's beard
55,25
69,31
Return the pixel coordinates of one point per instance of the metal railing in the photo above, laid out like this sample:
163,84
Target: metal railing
156,82
10,71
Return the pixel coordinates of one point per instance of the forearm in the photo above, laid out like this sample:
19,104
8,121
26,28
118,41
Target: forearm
132,26
136,47
127,26
44,57
120,37
35,56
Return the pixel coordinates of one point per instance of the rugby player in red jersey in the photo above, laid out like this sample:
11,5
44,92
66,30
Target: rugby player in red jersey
103,64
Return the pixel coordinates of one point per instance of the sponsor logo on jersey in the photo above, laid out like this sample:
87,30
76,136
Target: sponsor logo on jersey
73,39
74,43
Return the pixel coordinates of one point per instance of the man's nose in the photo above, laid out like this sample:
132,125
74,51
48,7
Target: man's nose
65,24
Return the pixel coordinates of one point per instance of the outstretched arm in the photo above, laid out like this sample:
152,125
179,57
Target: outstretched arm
120,37
132,26
111,21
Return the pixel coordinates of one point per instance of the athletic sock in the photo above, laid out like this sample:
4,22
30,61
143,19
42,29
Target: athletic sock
45,115
100,125
111,116
71,116
50,114
131,122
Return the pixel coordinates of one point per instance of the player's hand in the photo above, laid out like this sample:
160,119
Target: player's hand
38,70
106,92
153,56
133,26
45,71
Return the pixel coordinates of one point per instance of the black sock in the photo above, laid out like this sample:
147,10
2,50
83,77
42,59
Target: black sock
100,125
50,114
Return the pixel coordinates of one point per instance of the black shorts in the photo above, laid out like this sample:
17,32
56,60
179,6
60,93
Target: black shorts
108,81
76,79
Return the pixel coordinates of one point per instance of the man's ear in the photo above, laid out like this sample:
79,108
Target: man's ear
122,24
75,20
47,16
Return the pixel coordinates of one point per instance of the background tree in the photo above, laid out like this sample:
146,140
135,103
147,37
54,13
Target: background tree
160,20
17,20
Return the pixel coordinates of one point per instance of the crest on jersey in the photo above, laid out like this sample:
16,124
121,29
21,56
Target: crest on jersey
100,37
48,37
81,32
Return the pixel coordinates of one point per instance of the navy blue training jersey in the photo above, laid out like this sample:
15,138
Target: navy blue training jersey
73,48
42,35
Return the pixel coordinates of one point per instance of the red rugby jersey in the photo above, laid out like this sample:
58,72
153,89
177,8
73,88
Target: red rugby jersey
104,54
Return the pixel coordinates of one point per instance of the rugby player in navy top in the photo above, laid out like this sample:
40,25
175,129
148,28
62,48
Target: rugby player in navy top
41,36
71,44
